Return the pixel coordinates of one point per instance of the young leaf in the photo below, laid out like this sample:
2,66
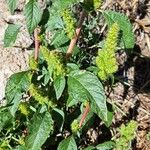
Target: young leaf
33,15
39,130
16,85
83,85
12,5
59,85
106,146
67,144
5,118
11,34
127,39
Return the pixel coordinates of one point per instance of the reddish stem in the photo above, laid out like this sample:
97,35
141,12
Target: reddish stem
75,38
37,44
87,109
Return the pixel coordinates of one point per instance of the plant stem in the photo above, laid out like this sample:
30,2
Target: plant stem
75,38
37,45
87,109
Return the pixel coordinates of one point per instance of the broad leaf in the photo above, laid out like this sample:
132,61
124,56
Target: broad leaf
33,15
83,85
106,146
127,37
59,86
39,130
11,34
12,5
59,117
5,118
67,144
16,85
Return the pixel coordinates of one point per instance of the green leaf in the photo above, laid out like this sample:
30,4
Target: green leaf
55,22
109,115
5,118
39,130
12,5
16,85
106,146
61,5
83,85
72,67
67,144
127,37
59,86
90,148
11,34
33,15
58,116
59,39
20,147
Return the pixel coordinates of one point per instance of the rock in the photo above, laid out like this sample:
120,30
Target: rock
13,59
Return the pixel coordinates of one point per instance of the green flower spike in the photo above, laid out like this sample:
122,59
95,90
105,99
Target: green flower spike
55,62
75,126
106,61
69,23
24,108
38,95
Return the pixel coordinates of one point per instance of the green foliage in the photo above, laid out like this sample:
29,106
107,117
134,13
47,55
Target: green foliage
33,15
5,118
61,5
106,146
148,136
92,4
127,134
81,89
59,118
59,39
12,5
109,145
11,34
68,144
39,130
46,103
17,84
127,36
106,60
59,86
